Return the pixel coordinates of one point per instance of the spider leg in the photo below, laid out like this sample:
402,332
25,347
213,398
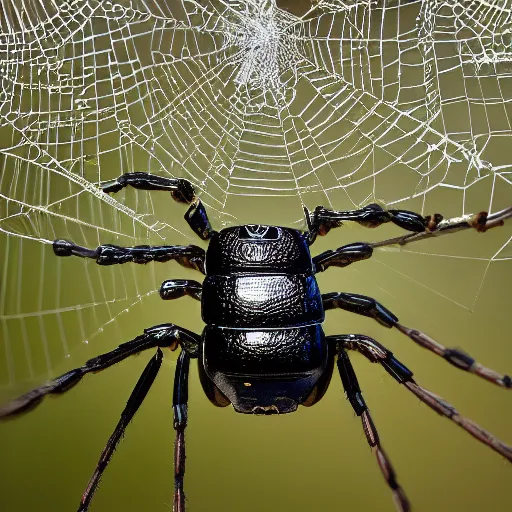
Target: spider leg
369,307
190,256
134,402
179,405
355,397
376,353
181,190
197,219
479,221
342,256
322,220
176,288
165,335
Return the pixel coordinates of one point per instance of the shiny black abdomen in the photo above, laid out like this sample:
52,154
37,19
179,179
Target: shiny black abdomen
263,346
261,300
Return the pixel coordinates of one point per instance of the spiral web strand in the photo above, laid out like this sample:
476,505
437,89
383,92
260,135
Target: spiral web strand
341,104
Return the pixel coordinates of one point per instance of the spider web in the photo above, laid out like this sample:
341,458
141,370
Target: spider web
339,103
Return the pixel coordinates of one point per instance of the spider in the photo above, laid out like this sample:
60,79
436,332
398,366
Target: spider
263,349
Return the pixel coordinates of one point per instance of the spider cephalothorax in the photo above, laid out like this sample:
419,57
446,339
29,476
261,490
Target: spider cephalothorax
263,349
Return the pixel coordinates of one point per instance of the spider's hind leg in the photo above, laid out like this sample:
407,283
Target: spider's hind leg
161,336
134,402
181,190
179,406
376,353
355,397
158,336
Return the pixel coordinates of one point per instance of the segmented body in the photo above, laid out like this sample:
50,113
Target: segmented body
263,346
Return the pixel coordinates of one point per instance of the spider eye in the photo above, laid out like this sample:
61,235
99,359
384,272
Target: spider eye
259,232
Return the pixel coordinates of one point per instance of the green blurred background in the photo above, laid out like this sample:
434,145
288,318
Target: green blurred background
315,459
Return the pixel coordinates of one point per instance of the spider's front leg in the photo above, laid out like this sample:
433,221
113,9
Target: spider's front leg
322,220
190,256
369,307
181,191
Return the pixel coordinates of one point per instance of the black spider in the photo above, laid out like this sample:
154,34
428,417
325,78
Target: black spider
263,349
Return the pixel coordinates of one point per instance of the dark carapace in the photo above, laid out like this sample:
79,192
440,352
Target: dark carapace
263,348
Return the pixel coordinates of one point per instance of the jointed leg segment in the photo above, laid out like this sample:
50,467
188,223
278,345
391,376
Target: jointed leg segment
165,335
322,220
181,190
376,353
190,256
355,397
176,288
179,405
343,256
134,402
481,222
367,306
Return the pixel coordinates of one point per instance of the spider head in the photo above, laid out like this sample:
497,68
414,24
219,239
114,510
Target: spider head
258,248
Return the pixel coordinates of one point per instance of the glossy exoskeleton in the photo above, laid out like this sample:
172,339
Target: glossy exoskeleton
263,349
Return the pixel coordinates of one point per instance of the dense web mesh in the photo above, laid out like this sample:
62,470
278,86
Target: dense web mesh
339,103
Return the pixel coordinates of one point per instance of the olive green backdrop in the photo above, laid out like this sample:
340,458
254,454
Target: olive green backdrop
314,459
